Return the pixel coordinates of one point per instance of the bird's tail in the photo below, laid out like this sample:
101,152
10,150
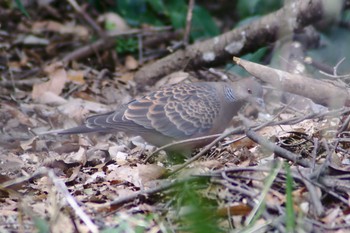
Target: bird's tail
74,130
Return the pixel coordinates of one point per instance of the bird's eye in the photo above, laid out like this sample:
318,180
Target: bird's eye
249,91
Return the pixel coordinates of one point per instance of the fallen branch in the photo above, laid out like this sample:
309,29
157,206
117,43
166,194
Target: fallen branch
105,42
241,40
320,92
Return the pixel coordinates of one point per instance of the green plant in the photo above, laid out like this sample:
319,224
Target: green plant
21,8
290,214
126,45
163,12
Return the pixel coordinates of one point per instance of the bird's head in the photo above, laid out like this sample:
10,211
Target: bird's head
246,90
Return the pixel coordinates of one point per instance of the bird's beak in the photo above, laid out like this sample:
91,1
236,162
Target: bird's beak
259,103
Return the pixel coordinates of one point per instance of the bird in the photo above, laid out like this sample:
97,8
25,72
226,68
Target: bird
176,112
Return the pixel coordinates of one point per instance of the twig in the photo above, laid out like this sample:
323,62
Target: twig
314,154
219,74
140,43
326,188
19,180
181,142
344,125
105,43
20,83
315,200
283,153
87,17
84,51
335,68
322,169
205,149
247,192
62,188
326,227
71,201
259,126
186,38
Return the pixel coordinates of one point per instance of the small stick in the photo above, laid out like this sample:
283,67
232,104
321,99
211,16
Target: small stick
186,38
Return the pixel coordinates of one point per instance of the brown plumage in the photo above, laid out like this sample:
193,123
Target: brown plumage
176,112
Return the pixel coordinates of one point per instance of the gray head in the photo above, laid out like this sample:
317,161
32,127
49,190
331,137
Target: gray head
245,90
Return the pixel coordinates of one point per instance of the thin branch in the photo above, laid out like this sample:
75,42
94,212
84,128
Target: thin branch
71,201
186,38
280,152
106,42
86,17
61,187
205,149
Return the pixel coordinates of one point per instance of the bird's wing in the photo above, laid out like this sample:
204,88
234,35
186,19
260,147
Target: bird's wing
177,112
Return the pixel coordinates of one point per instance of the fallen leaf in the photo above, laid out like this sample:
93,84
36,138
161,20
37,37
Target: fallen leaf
331,215
53,26
58,78
117,154
76,157
34,40
50,98
79,107
17,114
10,163
127,76
131,63
149,172
76,76
239,209
28,144
42,26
